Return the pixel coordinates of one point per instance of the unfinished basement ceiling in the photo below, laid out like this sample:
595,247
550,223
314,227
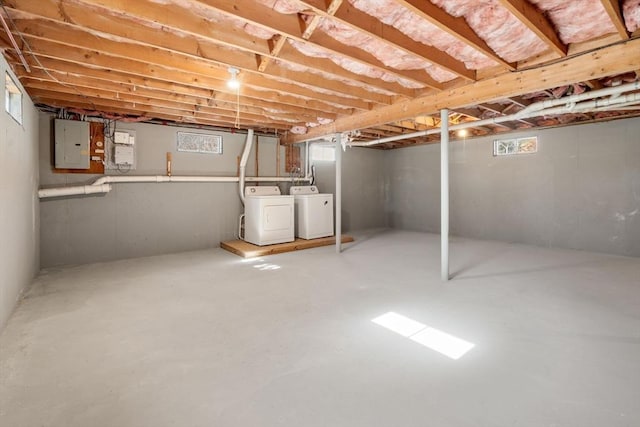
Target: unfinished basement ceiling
310,68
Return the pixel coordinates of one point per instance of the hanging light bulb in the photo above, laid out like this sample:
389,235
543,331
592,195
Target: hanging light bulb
463,133
233,82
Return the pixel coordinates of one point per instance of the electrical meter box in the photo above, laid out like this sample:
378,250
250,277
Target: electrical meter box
71,144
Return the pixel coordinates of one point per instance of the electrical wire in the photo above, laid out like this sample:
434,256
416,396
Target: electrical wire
37,60
237,122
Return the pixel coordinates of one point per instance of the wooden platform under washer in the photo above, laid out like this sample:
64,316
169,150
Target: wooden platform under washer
248,250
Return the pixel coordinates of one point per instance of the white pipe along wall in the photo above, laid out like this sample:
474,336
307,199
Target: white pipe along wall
101,184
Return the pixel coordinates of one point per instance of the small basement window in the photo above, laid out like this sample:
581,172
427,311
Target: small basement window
12,98
507,147
322,153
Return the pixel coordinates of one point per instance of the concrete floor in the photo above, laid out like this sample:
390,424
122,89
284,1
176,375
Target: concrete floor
207,339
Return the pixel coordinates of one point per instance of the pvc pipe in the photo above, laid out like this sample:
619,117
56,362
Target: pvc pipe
307,161
101,185
535,110
444,194
243,163
338,193
609,91
73,191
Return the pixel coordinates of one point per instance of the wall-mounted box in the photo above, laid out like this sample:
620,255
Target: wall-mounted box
71,144
123,138
124,155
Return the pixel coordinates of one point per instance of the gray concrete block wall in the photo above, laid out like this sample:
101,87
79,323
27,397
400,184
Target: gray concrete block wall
581,190
144,219
364,187
19,213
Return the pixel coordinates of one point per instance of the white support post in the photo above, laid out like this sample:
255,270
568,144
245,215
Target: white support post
338,193
444,194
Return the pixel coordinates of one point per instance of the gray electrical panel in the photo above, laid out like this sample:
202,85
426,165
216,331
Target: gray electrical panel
71,144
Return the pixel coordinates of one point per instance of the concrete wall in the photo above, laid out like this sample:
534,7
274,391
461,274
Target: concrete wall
136,220
19,214
364,187
581,190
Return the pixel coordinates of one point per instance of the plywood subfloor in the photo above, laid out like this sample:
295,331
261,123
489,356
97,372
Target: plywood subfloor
248,250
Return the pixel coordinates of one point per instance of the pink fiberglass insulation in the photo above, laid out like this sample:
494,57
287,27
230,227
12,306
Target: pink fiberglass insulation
577,21
291,7
283,6
389,55
422,31
352,66
501,30
631,13
327,76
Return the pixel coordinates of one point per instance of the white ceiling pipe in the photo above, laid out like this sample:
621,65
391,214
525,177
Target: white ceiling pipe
609,91
243,163
73,191
568,107
591,106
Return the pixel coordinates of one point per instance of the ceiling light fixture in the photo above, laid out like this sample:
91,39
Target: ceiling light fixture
462,133
233,82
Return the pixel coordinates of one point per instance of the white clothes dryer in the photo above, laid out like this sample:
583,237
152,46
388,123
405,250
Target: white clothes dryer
268,216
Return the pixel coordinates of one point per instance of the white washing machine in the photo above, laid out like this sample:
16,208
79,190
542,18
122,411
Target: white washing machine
314,212
268,216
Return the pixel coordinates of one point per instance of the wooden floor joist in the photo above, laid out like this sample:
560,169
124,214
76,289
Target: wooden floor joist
248,250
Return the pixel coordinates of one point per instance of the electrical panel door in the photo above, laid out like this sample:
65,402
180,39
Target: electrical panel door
71,144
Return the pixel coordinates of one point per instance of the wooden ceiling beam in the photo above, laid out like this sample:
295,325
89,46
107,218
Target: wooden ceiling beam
455,26
178,20
98,109
610,60
500,110
536,21
292,55
612,7
122,53
355,18
475,114
201,60
132,101
142,75
118,91
358,55
291,26
63,100
276,43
